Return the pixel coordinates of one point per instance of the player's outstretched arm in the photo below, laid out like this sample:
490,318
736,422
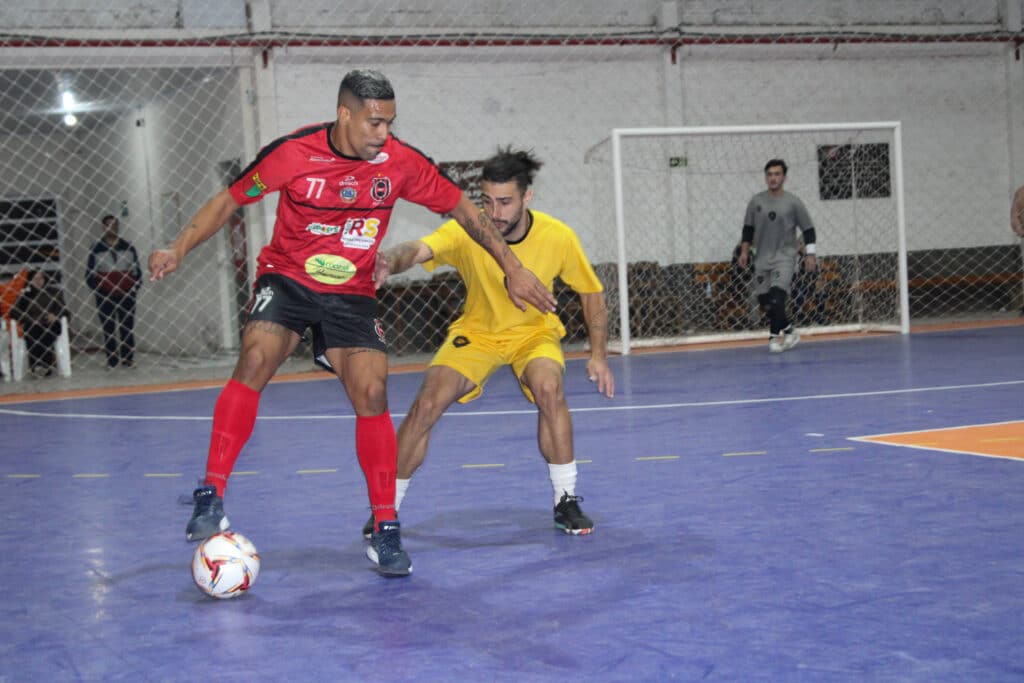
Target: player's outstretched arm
400,258
523,286
207,221
595,314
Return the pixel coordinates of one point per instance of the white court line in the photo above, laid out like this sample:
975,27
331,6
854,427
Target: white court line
493,413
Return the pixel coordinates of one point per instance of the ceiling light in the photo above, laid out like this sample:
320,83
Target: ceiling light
70,119
67,100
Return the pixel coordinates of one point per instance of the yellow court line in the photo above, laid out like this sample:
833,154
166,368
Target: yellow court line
162,475
830,450
23,476
88,475
326,471
244,472
729,455
1004,439
482,466
659,457
584,462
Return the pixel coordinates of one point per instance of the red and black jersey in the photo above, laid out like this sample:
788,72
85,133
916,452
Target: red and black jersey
334,210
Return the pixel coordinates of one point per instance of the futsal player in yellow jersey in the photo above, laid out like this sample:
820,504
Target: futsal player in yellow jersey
492,332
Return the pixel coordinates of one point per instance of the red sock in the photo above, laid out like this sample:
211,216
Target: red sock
233,420
377,450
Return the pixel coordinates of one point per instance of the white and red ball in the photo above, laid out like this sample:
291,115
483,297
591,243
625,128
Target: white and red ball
225,565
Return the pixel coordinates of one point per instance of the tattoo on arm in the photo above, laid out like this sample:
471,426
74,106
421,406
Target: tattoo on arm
401,258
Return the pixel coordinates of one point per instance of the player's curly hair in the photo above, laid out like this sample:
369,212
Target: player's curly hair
508,164
777,162
365,84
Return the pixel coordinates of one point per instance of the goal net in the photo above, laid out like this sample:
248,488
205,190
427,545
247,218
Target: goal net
673,201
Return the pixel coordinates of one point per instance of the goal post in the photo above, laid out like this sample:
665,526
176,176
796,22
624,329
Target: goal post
679,197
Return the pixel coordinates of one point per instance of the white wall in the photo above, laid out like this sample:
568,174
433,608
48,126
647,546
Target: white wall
459,105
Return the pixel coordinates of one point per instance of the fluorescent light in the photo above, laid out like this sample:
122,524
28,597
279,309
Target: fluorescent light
67,100
70,119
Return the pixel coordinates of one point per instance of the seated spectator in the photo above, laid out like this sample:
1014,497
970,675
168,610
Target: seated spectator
38,310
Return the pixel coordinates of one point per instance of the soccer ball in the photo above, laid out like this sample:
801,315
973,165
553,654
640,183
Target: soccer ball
225,565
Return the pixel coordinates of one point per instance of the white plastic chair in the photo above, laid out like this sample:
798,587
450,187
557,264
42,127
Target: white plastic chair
15,350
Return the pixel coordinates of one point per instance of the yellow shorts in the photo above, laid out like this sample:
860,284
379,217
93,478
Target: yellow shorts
476,355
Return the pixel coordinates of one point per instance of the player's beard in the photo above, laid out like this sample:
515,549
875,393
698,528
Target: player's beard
506,228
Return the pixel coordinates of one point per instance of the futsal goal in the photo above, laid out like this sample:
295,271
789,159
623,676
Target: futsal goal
673,200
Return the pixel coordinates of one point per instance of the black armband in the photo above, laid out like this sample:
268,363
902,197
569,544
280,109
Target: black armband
748,234
809,236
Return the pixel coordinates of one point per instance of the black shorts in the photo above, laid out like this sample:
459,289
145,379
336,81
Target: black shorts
336,320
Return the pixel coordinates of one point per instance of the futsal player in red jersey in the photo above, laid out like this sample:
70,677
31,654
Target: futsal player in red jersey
338,183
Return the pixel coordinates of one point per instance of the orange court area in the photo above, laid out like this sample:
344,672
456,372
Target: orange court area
998,440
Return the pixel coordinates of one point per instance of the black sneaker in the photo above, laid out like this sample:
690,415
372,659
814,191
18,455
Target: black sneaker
570,519
207,514
385,550
368,528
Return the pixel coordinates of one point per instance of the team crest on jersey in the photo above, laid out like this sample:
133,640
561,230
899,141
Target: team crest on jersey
381,188
258,186
771,215
348,194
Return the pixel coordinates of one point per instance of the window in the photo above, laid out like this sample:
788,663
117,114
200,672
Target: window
853,171
29,236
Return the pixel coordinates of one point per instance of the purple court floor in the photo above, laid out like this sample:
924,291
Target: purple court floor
742,535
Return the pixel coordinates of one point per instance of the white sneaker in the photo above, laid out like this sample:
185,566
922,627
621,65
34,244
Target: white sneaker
775,343
790,339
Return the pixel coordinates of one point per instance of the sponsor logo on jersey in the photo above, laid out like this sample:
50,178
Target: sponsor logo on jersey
348,194
325,160
348,180
771,215
380,189
378,327
258,187
323,229
330,269
460,341
380,158
360,233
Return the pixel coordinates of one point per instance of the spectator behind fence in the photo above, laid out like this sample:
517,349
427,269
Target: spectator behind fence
38,310
114,275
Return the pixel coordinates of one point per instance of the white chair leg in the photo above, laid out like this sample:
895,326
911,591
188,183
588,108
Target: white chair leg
5,353
62,349
17,353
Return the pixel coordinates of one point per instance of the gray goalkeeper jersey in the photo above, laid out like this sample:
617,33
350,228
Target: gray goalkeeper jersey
775,221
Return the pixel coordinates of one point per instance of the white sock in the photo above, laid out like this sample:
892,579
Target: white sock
401,486
563,479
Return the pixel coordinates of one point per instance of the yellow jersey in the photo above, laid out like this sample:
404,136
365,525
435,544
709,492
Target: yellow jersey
550,249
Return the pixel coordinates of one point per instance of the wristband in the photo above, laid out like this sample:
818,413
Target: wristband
810,249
